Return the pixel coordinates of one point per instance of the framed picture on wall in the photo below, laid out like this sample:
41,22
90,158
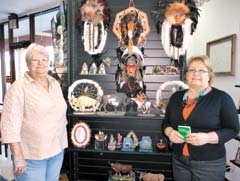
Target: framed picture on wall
237,158
222,55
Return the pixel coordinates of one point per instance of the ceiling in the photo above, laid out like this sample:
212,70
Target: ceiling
24,7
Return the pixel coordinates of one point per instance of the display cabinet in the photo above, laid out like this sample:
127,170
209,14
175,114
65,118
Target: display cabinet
89,163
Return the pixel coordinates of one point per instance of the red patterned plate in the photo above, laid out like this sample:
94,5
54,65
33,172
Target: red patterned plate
81,135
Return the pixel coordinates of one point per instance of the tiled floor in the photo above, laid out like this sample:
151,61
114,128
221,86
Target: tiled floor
6,166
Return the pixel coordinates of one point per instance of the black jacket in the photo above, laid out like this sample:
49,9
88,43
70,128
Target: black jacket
214,111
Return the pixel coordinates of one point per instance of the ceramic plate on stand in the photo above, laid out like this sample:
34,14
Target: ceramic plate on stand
80,135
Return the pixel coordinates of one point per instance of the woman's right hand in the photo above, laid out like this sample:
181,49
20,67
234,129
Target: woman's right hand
19,167
175,137
18,159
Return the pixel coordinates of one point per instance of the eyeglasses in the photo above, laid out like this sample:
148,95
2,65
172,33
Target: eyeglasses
40,60
200,71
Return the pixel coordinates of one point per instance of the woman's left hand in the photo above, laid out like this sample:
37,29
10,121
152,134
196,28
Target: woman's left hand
198,139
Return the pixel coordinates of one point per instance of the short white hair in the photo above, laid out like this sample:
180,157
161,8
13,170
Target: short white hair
34,47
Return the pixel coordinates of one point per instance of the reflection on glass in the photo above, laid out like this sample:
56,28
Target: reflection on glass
43,34
23,32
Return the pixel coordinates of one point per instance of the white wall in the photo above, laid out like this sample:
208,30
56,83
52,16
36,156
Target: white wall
219,18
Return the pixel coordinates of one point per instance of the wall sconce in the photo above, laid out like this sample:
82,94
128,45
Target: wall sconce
13,21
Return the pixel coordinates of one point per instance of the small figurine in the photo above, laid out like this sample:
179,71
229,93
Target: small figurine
134,138
143,105
93,69
100,136
151,176
117,101
102,70
146,144
119,141
112,143
83,103
100,139
128,144
84,69
122,169
161,145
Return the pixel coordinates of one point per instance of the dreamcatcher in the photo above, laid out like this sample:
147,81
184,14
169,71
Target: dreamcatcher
159,13
176,20
166,90
93,19
131,26
176,29
84,95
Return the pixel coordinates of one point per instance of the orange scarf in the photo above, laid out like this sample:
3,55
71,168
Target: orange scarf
186,112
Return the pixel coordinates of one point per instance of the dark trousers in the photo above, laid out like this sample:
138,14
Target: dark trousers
185,169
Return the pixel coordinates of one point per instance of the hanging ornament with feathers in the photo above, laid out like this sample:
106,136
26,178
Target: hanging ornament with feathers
176,20
93,18
176,30
159,13
131,27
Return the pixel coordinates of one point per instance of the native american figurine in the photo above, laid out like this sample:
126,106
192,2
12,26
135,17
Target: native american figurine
119,141
129,76
112,143
100,136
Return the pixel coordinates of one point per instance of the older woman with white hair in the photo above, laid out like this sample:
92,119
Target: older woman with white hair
34,121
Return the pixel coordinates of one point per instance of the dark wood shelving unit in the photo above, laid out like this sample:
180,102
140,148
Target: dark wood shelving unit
91,164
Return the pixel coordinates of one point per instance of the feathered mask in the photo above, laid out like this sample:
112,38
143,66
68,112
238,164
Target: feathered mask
190,10
176,13
94,11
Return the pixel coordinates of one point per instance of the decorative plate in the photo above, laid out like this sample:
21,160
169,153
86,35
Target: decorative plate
83,95
80,135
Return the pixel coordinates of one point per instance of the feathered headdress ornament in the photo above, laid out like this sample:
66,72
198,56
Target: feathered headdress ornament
94,11
166,7
176,13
